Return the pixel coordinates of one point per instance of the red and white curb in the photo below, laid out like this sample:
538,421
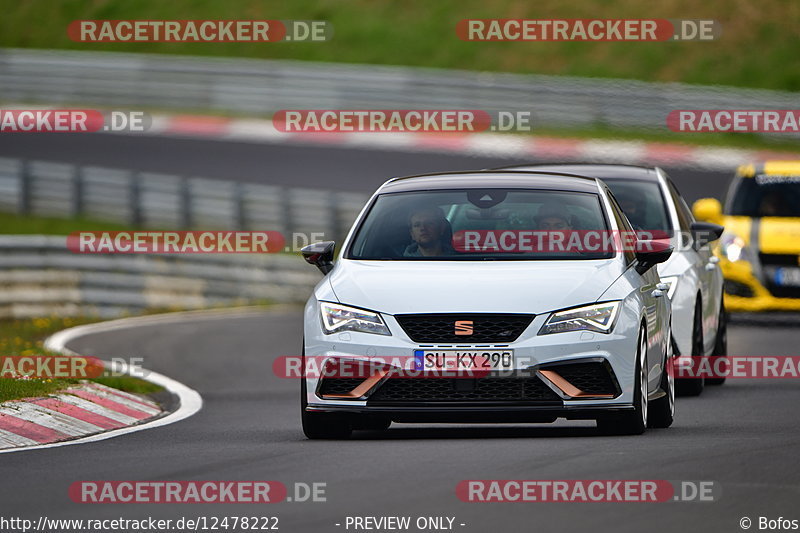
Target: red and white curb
92,412
79,411
511,146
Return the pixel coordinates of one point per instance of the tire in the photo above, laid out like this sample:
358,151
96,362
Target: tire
321,425
632,422
694,386
721,344
661,412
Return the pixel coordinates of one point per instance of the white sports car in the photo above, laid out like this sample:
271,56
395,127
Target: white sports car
465,298
652,203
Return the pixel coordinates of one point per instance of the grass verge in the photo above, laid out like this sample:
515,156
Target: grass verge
757,48
26,337
13,224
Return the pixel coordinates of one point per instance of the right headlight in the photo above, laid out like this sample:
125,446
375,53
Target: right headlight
597,317
337,318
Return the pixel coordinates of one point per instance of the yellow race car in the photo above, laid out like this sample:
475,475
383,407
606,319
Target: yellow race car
760,249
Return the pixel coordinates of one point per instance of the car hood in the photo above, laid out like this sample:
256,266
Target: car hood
457,286
774,235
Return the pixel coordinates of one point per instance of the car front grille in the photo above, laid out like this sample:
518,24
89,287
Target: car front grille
488,389
778,259
495,328
779,291
770,263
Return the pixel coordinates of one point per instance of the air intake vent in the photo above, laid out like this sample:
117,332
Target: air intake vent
500,389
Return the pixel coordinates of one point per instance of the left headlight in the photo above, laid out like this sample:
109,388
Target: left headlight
337,318
598,317
734,248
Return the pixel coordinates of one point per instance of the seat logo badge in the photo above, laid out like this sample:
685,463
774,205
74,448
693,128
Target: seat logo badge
463,327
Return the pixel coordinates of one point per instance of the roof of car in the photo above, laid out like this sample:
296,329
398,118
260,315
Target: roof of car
558,181
769,168
597,170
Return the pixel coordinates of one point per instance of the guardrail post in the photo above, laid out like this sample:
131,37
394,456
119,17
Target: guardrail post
334,219
186,204
136,199
25,200
288,216
77,191
239,216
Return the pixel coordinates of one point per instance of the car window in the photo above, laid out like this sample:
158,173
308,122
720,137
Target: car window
481,224
623,224
643,203
685,217
766,196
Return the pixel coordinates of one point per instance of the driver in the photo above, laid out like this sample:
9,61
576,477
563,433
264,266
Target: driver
772,204
632,204
427,228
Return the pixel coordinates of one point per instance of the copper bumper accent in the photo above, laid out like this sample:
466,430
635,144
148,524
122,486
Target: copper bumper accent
568,388
362,389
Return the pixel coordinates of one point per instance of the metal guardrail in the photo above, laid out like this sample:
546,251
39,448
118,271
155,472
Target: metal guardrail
39,276
261,87
165,201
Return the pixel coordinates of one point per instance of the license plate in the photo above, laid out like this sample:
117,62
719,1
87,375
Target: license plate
787,276
455,360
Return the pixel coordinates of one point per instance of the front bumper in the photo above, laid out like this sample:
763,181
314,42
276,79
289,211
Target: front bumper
744,292
535,357
478,414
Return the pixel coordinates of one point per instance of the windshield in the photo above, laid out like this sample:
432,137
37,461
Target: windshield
766,196
479,224
642,202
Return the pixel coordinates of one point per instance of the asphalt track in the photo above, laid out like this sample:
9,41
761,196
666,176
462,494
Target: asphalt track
743,435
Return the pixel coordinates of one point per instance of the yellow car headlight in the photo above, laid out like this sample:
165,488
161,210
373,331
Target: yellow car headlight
734,248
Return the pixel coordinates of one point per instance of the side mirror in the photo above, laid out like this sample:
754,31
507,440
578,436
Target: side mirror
704,233
651,253
708,209
320,254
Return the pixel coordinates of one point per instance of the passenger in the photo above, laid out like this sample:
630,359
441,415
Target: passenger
553,216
